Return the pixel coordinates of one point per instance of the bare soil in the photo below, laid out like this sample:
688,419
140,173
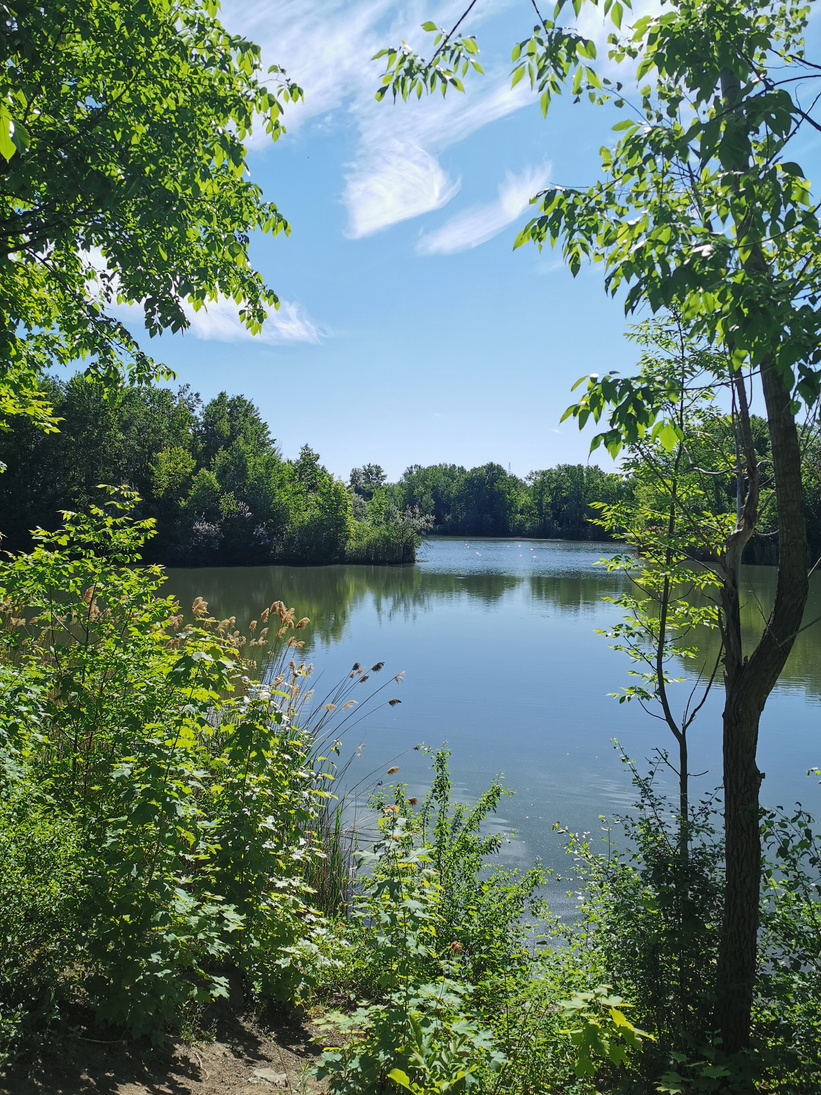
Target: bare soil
235,1056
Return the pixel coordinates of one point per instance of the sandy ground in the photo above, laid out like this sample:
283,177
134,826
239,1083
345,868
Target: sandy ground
238,1057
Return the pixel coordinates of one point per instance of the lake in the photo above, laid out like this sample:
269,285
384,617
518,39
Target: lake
497,639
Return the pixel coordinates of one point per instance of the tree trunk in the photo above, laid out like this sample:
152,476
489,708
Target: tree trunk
742,841
748,683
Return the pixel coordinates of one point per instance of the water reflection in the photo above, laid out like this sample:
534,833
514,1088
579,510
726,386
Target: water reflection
498,638
560,577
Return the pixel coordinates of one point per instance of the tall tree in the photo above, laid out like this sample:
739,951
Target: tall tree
700,210
367,479
123,177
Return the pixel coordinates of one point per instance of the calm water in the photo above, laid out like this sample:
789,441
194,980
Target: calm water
502,662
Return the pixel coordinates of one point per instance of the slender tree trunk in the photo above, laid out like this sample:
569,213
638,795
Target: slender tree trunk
748,682
742,842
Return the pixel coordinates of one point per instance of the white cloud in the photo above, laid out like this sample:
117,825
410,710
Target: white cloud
482,222
327,46
393,183
219,321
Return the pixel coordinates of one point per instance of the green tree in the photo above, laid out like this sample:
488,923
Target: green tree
700,210
229,419
562,499
488,501
104,435
367,479
123,177
433,491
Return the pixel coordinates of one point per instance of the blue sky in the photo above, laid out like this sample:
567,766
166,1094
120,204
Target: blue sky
410,331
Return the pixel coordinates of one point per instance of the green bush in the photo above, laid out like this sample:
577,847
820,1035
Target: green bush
188,787
41,891
420,1034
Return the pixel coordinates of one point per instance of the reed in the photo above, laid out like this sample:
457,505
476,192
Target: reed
322,725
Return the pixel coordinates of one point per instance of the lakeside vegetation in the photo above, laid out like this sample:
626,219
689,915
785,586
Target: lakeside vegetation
221,493
169,824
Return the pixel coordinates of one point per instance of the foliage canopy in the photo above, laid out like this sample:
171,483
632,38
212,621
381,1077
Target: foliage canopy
123,180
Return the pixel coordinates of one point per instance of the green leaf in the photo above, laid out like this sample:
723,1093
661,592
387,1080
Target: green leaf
7,146
401,1078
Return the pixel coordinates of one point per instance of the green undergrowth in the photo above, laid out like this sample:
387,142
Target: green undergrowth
160,803
456,977
169,825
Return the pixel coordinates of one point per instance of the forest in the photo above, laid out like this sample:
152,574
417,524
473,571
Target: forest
221,494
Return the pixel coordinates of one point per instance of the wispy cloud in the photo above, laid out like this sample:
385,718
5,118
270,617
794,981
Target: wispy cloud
392,183
327,46
482,222
219,322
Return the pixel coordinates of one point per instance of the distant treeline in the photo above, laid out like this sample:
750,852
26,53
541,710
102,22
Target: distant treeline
221,493
489,501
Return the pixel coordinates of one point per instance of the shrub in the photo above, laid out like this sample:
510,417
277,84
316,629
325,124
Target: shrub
420,1034
41,889
188,787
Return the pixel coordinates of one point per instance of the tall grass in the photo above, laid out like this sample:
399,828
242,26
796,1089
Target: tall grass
326,724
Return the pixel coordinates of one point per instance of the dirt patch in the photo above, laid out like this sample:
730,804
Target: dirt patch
243,1057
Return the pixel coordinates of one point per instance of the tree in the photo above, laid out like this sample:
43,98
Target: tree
699,211
123,178
433,491
562,498
367,479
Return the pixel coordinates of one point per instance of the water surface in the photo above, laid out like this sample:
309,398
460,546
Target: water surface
498,641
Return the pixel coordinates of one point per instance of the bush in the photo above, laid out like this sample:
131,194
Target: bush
189,788
41,891
420,1034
